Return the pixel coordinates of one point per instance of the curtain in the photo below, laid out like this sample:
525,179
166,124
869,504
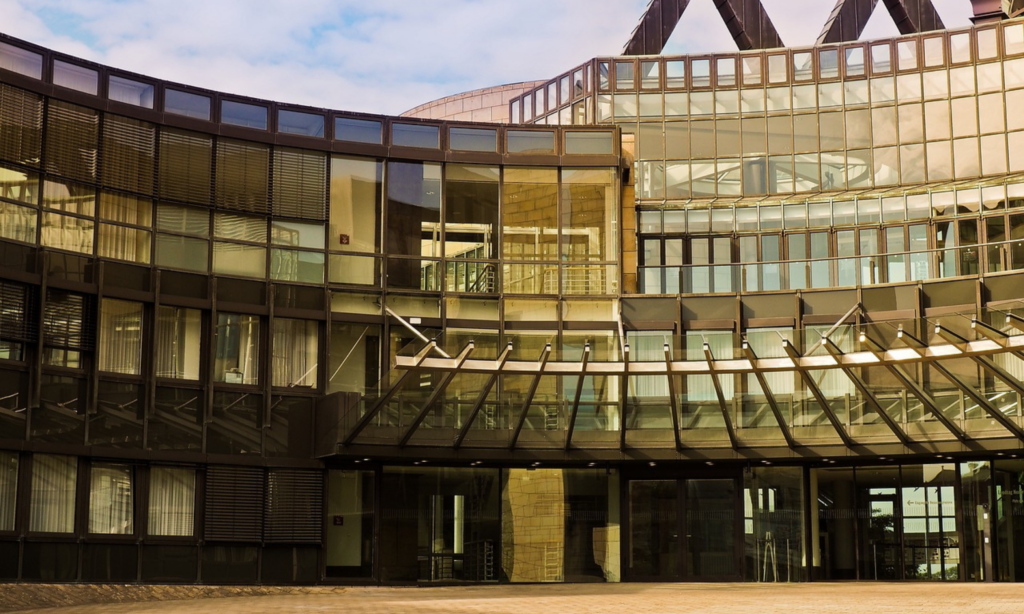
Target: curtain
120,348
111,506
52,508
172,493
294,353
8,489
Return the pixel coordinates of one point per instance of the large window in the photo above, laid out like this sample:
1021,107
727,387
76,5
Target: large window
178,335
413,224
470,227
348,551
560,525
66,328
111,499
120,348
355,219
355,357
172,492
52,507
296,355
237,359
124,228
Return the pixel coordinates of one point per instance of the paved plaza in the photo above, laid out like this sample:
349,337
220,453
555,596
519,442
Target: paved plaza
817,598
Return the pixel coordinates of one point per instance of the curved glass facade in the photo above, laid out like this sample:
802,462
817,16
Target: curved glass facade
772,298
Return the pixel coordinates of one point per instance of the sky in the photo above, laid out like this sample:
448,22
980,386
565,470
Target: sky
381,56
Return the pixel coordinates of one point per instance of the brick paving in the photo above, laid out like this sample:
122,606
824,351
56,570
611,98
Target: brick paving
817,598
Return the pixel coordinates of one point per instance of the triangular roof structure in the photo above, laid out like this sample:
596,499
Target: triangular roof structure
752,28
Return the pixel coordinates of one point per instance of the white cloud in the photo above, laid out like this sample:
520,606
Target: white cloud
384,56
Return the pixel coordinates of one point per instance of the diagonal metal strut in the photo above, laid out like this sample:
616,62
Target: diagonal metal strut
482,397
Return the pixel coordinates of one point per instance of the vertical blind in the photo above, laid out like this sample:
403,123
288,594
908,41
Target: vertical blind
178,334
295,353
172,493
52,505
120,347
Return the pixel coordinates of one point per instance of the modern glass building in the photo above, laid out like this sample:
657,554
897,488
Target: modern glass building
752,316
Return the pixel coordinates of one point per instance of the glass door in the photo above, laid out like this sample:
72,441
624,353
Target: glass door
683,530
711,529
654,525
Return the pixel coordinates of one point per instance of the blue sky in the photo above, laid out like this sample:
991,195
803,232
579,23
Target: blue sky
382,56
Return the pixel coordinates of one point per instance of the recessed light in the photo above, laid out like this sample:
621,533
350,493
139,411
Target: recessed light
652,463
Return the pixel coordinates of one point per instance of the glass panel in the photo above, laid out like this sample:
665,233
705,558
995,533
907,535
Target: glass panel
111,496
131,92
529,214
238,259
449,522
471,213
75,77
356,192
21,61
531,141
592,143
710,528
357,130
473,139
413,135
654,529
236,360
241,114
560,525
305,124
349,545
187,104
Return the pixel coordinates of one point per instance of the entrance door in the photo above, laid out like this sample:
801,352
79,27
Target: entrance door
683,530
